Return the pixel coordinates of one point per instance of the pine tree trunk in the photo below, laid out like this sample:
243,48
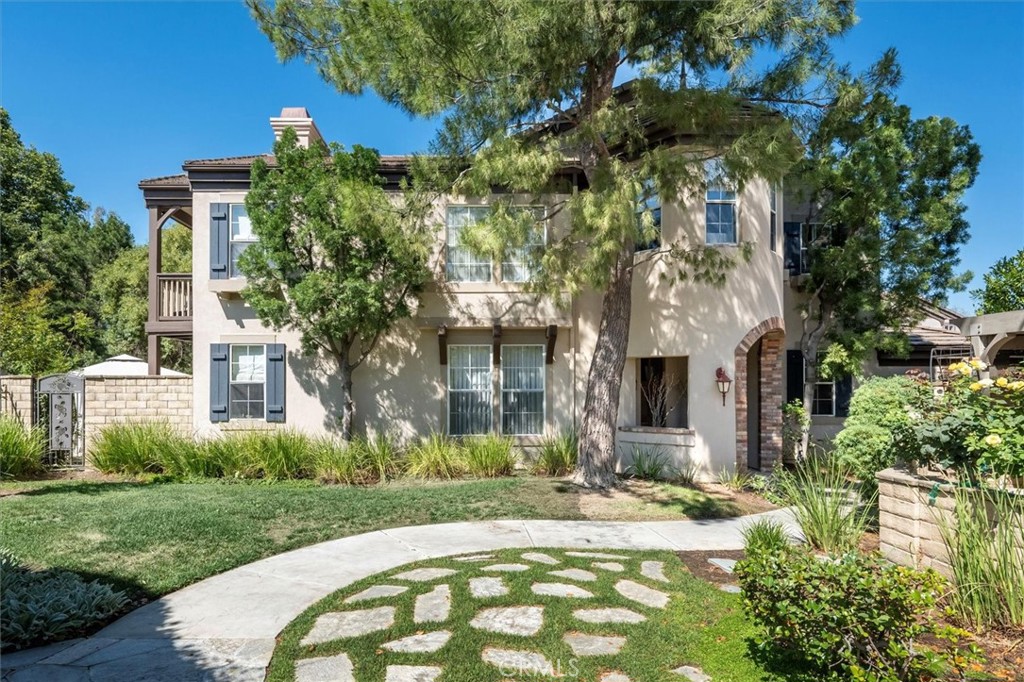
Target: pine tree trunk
596,463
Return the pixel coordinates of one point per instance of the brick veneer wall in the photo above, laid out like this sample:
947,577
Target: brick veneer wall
16,393
109,400
771,333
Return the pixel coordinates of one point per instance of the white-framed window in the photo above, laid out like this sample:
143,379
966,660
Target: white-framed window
809,234
522,390
463,265
248,382
773,218
720,205
470,390
650,200
520,264
823,404
241,235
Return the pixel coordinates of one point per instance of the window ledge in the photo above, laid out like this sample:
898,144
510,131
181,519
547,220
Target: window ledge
247,425
228,287
665,430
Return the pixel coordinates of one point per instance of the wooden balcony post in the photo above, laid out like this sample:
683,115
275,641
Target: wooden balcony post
155,262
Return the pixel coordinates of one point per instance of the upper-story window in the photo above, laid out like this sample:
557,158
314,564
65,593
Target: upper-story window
720,205
463,265
649,201
241,235
773,218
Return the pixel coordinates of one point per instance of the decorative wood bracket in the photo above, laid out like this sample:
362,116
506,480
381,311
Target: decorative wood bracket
442,344
551,335
496,343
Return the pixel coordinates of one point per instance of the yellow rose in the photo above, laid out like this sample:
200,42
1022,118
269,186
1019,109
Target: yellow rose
976,386
978,364
1017,386
993,440
1001,382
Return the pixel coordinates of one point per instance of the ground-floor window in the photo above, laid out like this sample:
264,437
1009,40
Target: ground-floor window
470,394
522,390
248,382
824,402
662,392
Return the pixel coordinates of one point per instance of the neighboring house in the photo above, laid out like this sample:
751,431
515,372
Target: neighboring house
481,354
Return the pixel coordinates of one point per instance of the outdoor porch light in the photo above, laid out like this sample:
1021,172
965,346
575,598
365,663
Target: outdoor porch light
724,382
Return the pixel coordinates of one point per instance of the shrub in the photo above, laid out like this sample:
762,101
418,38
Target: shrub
489,456
648,463
827,504
49,605
558,454
136,448
857,617
765,535
21,449
880,412
986,556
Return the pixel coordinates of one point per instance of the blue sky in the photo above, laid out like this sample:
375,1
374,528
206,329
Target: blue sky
121,91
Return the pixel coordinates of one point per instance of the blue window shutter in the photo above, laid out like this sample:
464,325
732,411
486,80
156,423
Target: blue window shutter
794,375
276,360
791,250
220,245
220,368
844,391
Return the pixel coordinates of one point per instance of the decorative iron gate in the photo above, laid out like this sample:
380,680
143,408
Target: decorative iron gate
61,414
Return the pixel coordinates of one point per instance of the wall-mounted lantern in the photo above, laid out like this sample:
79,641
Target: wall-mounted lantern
724,383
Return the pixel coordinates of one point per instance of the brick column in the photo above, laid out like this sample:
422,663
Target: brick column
739,391
770,427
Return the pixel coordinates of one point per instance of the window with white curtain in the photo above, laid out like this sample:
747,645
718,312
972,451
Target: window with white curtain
470,396
522,390
463,265
520,263
248,382
241,235
720,205
773,217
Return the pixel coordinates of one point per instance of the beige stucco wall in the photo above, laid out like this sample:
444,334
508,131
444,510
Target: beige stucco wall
16,398
401,389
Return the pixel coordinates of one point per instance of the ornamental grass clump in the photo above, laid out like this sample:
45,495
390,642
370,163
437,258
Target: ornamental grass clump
488,456
136,448
649,463
827,504
984,539
21,448
557,455
436,456
379,457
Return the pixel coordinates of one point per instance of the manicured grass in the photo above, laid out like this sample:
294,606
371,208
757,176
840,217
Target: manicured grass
701,625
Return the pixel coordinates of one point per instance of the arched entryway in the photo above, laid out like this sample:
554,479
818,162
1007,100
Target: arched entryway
759,396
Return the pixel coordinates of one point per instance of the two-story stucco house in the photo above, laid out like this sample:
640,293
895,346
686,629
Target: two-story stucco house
481,354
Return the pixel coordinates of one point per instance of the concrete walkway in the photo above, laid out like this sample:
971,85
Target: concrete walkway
224,627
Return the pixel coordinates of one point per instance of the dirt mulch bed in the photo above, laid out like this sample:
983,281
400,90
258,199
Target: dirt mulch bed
697,562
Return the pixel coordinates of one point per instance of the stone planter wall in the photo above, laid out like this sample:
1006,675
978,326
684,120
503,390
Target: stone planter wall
16,397
109,400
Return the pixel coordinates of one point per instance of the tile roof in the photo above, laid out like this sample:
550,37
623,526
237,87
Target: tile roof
243,161
179,180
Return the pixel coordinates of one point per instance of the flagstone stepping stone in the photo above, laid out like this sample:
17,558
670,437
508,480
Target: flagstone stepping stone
519,661
609,615
343,624
541,558
560,590
731,589
693,674
376,592
487,587
434,606
508,568
575,574
510,620
596,555
326,669
412,673
593,645
425,643
641,593
614,566
424,575
613,676
655,570
727,565
475,557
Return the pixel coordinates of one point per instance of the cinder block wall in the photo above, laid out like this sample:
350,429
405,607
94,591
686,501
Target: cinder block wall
16,397
109,400
909,511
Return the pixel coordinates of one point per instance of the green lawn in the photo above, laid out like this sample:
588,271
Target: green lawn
701,625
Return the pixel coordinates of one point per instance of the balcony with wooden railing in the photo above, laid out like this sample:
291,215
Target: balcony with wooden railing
174,292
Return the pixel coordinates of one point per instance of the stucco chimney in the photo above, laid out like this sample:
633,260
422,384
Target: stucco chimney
298,118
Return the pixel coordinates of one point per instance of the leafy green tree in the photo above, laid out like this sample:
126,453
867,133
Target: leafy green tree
49,243
122,289
885,191
30,340
528,88
1004,286
337,260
